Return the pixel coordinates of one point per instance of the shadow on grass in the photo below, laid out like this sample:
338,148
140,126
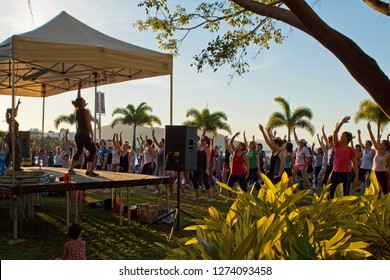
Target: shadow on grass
45,234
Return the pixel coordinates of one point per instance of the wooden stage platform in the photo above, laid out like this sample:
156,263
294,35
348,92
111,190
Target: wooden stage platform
33,181
105,180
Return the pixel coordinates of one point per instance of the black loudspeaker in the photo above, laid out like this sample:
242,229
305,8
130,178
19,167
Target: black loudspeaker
180,147
24,139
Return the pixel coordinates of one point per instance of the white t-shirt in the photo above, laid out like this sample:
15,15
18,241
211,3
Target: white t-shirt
368,159
57,158
301,155
115,156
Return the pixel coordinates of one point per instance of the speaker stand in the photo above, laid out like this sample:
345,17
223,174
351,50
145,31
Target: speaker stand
177,211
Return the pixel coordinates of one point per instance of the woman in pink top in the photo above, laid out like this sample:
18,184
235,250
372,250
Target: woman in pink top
381,161
240,169
74,249
343,156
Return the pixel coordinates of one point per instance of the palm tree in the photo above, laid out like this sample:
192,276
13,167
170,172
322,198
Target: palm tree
370,111
299,118
211,122
69,119
135,117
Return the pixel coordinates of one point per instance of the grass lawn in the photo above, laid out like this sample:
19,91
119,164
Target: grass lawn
106,240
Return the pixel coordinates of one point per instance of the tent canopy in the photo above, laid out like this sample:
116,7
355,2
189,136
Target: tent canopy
54,57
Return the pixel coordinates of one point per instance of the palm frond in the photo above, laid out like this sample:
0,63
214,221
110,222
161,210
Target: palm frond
69,119
302,112
276,119
284,104
212,121
306,125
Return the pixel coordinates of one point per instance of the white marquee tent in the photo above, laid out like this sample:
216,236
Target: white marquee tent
53,58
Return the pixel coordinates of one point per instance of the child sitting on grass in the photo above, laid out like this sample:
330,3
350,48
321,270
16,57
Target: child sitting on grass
75,248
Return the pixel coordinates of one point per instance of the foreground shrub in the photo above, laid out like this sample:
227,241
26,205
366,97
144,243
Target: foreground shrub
283,223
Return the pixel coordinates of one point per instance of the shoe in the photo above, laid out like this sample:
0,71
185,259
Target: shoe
91,173
71,172
311,192
195,198
18,169
210,199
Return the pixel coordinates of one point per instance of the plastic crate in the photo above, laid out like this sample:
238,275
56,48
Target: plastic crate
147,212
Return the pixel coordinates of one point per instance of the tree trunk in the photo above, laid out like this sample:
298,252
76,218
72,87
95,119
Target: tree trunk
289,133
379,6
361,66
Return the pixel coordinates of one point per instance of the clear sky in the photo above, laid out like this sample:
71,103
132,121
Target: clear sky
300,70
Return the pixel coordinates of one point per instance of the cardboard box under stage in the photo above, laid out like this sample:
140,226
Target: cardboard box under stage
34,180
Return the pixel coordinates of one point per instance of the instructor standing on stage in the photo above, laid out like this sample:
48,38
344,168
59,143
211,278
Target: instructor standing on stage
84,134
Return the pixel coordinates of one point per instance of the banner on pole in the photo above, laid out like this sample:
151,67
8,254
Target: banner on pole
102,104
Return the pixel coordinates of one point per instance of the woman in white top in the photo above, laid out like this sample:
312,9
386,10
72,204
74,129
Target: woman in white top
367,159
302,160
148,157
381,165
115,154
57,156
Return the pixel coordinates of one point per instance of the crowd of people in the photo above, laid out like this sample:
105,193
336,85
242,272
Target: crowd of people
336,160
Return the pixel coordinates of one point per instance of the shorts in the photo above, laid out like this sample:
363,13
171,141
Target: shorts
288,172
170,173
159,171
299,166
226,165
362,173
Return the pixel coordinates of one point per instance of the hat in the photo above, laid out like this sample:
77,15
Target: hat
303,141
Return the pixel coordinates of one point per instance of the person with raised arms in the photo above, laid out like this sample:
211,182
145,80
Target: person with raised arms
84,134
381,162
343,156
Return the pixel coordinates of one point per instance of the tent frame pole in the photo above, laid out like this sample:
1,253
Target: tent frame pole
12,134
94,129
171,99
43,121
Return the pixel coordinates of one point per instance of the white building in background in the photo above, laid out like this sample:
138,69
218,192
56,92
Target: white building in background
36,133
70,134
52,134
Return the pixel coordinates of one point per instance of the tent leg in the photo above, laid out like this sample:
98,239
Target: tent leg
171,100
120,207
43,122
67,210
128,207
15,218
